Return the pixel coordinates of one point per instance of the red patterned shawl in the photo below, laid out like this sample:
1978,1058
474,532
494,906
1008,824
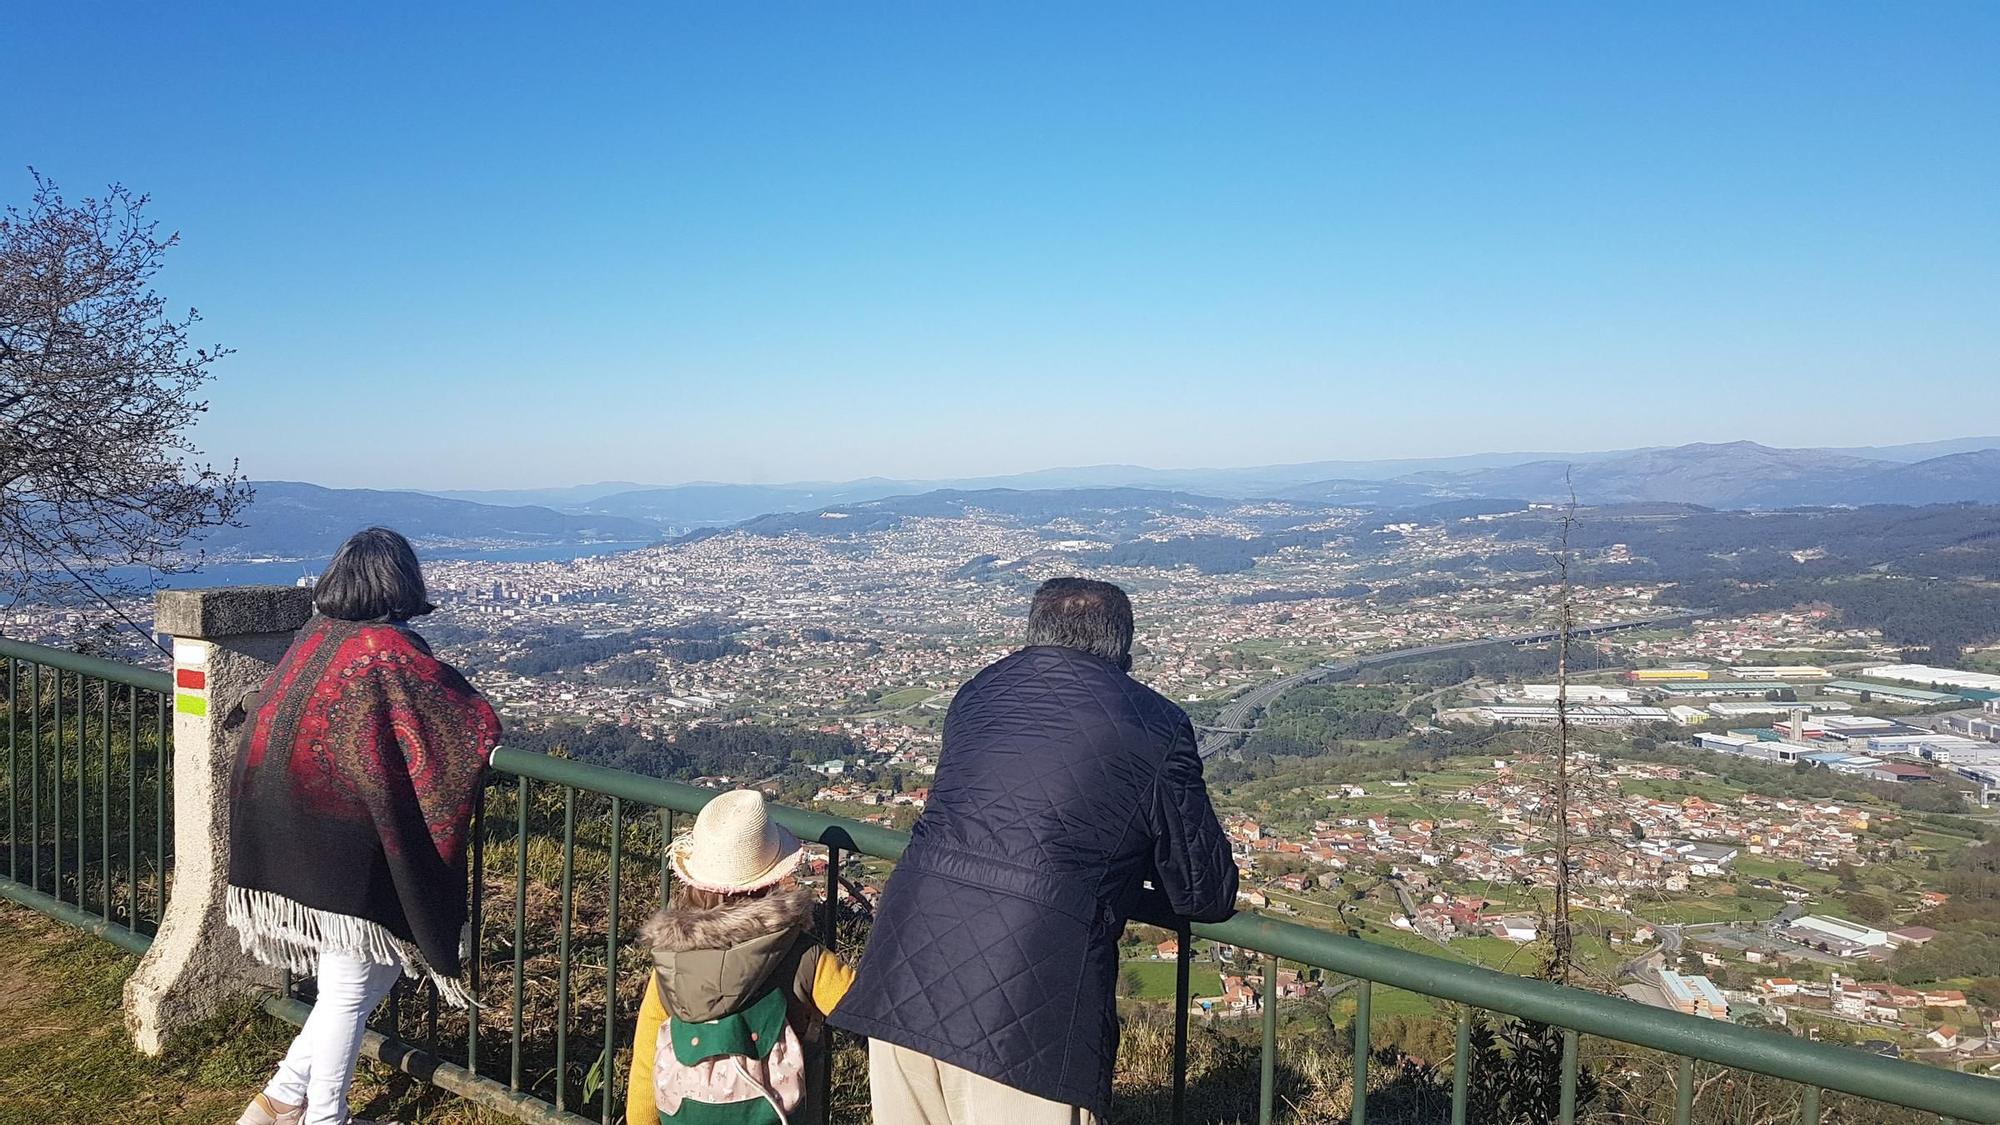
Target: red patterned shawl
351,803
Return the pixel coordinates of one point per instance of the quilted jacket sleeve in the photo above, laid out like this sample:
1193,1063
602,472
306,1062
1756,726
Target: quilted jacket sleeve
1192,864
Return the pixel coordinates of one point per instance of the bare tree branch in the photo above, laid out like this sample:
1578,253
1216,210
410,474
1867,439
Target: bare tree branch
99,388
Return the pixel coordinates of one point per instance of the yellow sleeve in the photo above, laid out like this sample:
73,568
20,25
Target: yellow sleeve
640,1107
832,977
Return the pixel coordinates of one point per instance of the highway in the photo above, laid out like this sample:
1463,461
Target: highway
1236,718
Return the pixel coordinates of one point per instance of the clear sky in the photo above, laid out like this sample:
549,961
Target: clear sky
547,244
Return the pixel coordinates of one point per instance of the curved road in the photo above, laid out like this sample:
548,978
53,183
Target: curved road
1235,719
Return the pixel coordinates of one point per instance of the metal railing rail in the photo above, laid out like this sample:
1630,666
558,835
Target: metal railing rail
89,770
91,667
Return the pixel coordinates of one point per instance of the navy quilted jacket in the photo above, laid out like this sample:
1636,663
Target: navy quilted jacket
1064,784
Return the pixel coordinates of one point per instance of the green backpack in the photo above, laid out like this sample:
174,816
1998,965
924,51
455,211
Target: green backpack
745,1068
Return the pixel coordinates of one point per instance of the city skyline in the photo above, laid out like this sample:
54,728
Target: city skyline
513,251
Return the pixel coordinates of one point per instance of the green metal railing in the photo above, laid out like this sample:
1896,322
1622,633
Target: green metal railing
88,779
1813,1066
569,857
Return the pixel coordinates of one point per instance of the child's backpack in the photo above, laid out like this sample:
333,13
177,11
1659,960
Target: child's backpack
745,1068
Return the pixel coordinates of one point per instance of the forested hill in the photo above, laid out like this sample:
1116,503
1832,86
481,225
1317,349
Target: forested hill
1933,541
1924,576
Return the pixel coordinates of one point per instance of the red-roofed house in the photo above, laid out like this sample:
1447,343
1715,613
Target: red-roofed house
1900,997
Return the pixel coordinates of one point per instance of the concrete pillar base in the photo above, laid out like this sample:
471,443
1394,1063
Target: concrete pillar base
225,643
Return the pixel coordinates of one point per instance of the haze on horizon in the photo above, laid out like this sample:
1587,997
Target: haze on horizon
1110,474
466,248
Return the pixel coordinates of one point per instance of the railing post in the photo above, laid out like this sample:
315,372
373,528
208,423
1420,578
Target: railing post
1461,1067
225,643
830,924
1363,998
1183,1000
1267,1057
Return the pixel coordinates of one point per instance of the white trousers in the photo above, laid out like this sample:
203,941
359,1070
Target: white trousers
911,1088
319,1068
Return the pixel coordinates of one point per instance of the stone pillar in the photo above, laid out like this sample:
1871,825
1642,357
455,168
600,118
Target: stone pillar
226,641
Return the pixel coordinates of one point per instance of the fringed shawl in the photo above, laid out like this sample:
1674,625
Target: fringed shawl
351,803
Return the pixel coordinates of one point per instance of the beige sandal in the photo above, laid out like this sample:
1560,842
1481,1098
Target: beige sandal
264,1111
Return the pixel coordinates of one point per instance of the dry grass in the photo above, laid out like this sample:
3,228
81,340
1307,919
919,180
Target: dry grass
64,1056
1312,1083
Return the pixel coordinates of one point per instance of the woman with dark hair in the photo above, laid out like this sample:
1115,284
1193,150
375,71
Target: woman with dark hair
350,810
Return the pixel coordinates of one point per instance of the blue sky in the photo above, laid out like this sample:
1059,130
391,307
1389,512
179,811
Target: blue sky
486,246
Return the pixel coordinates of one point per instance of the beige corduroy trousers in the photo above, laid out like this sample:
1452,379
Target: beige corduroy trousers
911,1088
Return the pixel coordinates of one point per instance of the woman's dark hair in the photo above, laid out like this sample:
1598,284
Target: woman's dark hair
373,577
1085,614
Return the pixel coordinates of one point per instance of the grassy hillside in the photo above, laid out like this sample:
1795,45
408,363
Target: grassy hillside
64,1055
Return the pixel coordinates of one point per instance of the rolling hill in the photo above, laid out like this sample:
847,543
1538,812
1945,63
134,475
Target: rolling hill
1971,476
1732,475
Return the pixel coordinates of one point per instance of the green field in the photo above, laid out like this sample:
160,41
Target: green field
1709,908
1452,780
1757,867
1312,911
1499,953
1381,933
908,697
1784,871
1707,789
1385,1002
1157,979
1939,839
1803,656
1285,655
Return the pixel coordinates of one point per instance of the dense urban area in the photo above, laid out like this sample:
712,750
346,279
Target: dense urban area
1779,806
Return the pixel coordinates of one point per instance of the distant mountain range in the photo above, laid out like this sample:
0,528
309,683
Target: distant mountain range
1728,475
1734,475
290,519
703,502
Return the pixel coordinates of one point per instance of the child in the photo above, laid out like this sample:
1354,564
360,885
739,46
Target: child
734,1015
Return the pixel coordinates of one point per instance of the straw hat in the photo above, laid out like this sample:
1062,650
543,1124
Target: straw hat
733,846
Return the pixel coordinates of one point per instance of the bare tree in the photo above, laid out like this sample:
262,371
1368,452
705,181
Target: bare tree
98,386
1522,1063
1562,938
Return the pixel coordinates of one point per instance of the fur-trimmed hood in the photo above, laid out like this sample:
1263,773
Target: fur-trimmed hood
733,922
713,962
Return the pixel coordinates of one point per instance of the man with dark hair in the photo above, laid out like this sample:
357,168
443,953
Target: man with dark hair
1064,788
1084,614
